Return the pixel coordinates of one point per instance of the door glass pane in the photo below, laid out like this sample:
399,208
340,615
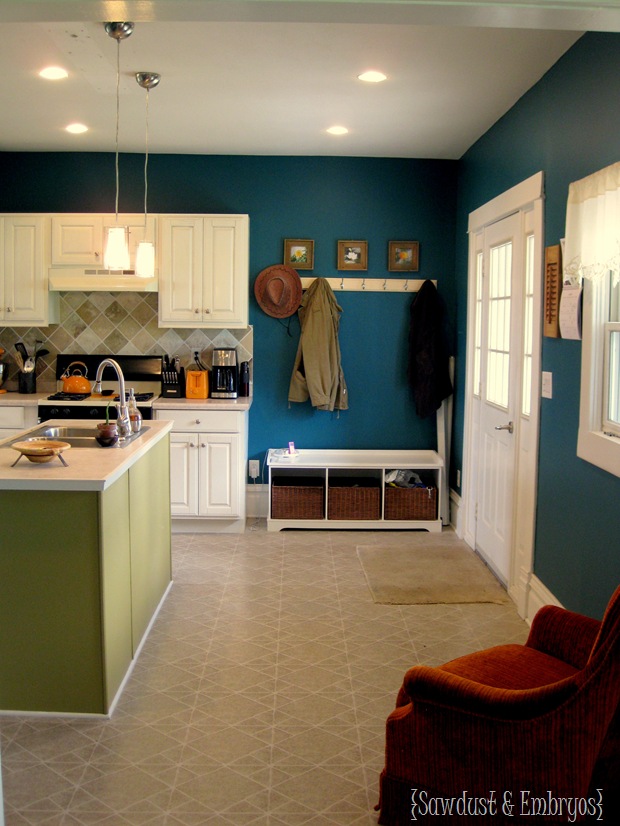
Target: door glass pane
528,328
498,342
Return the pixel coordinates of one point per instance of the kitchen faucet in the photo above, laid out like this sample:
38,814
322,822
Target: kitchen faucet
123,421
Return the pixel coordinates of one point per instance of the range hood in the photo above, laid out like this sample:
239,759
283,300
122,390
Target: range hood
91,279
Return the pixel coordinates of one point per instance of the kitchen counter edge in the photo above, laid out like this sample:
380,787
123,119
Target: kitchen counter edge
14,399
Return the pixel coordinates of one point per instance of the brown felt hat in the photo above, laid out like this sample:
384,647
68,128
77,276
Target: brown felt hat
278,290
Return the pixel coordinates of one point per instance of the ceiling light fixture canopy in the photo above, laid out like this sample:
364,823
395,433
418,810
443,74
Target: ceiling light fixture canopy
372,76
54,73
116,255
145,256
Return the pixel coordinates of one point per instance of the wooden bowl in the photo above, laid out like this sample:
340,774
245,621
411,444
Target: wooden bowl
40,450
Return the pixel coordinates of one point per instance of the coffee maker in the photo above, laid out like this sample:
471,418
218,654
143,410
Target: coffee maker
224,374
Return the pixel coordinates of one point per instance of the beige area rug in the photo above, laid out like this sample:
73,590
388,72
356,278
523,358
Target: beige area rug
428,574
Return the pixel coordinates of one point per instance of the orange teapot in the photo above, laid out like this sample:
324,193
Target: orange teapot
75,382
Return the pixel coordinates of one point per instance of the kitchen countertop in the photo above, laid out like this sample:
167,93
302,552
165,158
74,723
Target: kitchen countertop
93,469
13,399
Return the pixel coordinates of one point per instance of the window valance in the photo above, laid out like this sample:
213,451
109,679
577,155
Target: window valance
592,244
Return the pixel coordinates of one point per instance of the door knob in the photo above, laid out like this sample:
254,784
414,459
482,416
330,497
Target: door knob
509,427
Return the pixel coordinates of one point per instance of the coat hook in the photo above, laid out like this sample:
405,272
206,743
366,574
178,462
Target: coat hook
342,282
364,283
385,283
406,287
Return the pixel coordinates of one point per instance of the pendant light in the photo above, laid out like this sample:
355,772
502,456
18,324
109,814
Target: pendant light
116,255
145,257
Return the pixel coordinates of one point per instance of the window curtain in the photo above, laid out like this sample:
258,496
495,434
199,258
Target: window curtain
592,243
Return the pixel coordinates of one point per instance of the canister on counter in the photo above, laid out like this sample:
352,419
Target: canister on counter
244,379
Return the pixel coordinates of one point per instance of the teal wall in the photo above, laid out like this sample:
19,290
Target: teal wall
568,125
326,199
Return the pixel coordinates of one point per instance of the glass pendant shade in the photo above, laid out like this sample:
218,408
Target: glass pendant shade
145,260
116,256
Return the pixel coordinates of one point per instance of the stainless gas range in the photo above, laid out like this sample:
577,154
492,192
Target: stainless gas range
143,373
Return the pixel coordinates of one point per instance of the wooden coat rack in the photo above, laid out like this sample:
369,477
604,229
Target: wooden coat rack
370,285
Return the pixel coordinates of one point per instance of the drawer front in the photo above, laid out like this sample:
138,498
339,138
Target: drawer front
13,417
208,421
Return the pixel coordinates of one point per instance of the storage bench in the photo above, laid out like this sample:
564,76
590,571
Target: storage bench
348,489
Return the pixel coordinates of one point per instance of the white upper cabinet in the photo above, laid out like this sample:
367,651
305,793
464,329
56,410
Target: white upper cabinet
203,270
24,253
79,240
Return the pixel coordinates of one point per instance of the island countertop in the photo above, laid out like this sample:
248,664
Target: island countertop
89,469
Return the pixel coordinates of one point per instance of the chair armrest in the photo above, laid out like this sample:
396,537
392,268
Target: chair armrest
563,634
432,686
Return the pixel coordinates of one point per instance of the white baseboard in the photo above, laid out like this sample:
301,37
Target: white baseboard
538,595
455,515
257,501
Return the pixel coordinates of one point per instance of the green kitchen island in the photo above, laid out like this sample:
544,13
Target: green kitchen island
85,563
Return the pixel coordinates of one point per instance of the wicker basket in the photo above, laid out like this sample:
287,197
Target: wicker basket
411,503
353,502
297,499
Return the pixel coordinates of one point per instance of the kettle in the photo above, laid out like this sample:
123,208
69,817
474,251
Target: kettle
75,382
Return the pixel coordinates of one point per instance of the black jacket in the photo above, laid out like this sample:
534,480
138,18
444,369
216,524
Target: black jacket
428,370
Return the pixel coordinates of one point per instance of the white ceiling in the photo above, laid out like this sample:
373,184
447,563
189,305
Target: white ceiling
269,77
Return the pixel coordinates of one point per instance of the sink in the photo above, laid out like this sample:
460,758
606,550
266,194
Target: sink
74,435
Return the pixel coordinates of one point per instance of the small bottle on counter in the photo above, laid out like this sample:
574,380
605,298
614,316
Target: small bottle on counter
135,417
244,379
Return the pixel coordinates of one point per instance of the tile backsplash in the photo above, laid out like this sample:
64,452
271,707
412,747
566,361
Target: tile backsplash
116,323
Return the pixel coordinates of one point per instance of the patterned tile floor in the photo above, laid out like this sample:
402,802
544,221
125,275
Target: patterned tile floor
259,698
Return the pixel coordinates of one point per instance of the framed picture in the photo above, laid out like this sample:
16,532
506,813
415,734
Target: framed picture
404,256
352,255
299,253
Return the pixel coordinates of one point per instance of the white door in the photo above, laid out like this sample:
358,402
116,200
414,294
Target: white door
219,475
25,287
184,473
180,270
504,328
225,285
499,390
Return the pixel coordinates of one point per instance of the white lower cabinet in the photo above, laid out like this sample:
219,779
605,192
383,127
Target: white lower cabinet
14,419
208,454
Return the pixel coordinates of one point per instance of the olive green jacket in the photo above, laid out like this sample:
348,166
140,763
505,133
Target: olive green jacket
317,374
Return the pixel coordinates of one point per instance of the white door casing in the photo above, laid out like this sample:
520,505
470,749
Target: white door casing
499,506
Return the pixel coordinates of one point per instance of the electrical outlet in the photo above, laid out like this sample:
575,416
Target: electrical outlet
254,468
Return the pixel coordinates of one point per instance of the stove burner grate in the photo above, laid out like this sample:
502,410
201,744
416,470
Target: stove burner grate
68,397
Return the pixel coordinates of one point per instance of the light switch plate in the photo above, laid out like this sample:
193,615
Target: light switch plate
547,385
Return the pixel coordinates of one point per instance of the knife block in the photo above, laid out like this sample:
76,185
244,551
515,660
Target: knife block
173,384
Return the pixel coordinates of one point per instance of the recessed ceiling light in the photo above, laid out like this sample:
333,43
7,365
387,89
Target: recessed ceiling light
76,128
337,130
54,73
372,76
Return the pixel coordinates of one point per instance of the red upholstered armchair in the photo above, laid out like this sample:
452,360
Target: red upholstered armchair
540,720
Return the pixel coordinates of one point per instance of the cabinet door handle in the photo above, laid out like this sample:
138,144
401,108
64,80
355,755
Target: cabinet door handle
207,311
8,309
197,421
202,444
197,311
191,444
